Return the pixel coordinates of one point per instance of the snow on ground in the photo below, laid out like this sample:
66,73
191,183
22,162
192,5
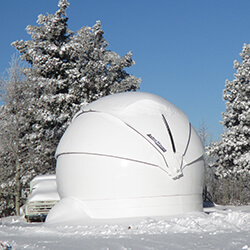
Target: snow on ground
216,228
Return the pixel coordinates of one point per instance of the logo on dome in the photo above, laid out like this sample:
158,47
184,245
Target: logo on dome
156,142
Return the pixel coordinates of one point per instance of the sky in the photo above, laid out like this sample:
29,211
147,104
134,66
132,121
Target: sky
183,49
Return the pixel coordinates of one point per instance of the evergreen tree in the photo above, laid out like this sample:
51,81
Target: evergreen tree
68,69
233,150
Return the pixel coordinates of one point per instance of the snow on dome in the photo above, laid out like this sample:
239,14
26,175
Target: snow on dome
128,155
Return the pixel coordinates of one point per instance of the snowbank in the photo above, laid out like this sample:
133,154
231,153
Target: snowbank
218,228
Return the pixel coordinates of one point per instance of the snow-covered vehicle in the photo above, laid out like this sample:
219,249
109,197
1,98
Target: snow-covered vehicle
43,196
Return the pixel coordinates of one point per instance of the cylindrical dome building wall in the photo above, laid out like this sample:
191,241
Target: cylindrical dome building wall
128,155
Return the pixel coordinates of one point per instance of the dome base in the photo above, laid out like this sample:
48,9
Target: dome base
73,211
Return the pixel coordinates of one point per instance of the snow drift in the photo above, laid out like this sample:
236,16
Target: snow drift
128,155
219,227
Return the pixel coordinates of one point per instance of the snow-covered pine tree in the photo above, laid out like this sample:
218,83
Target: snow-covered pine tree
67,69
233,150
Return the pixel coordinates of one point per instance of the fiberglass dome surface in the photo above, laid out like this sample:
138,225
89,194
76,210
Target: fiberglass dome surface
128,155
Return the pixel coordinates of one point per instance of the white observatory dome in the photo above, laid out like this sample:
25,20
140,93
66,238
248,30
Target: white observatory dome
128,155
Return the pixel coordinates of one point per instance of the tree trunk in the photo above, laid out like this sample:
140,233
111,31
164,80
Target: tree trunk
18,188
